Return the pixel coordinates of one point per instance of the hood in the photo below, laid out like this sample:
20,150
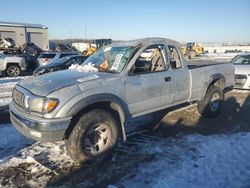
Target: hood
47,83
242,69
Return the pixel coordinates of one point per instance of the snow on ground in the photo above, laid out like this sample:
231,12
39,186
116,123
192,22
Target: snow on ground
34,166
217,56
195,161
192,160
11,141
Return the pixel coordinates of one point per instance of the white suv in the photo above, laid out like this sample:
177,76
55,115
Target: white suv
48,57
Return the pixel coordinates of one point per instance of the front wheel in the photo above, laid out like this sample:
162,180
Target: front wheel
210,106
13,70
94,135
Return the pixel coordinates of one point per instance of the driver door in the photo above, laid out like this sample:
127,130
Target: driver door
148,82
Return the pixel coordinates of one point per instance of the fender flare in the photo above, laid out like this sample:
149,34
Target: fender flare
211,80
116,104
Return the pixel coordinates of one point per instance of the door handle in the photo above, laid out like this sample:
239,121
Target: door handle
167,79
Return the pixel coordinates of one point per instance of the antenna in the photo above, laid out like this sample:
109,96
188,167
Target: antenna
85,31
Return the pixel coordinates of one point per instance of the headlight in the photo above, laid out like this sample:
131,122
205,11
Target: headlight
41,104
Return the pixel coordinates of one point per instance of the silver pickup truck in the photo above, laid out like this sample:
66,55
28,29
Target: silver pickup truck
88,105
12,65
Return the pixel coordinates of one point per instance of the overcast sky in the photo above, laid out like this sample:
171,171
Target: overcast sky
182,20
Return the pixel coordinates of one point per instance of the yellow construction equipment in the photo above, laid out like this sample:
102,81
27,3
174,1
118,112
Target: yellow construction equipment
98,44
192,50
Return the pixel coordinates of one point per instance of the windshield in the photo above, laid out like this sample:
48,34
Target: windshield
110,59
61,61
241,60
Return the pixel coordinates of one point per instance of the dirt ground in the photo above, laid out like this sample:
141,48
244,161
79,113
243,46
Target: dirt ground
123,163
125,160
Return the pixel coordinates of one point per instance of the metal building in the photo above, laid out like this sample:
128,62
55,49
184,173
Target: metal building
24,32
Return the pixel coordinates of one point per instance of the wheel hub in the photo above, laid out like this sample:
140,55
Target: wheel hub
215,100
97,138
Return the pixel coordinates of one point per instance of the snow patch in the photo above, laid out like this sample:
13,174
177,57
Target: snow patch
11,141
37,163
84,68
196,161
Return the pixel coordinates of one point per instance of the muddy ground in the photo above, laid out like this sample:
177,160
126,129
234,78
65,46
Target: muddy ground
124,162
234,118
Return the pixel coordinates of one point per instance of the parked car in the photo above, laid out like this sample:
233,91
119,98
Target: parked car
31,61
32,49
242,71
88,105
7,43
12,65
60,64
48,57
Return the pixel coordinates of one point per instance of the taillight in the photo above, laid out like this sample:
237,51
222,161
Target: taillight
45,60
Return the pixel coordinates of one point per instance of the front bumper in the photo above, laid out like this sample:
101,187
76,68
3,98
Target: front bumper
40,129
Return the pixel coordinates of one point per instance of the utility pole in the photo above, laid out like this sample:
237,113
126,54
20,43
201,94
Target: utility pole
85,32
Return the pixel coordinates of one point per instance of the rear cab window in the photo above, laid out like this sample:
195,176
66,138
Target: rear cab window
175,58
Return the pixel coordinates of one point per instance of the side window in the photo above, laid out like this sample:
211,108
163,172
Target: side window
75,60
242,60
175,59
63,55
152,59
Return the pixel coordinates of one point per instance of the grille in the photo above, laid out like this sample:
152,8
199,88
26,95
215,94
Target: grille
240,76
19,98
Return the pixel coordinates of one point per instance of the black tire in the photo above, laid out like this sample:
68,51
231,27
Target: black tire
13,70
210,106
76,143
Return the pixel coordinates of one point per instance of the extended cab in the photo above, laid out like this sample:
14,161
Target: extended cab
12,65
89,105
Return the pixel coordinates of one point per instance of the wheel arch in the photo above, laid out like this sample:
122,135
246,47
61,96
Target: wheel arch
12,63
215,80
104,101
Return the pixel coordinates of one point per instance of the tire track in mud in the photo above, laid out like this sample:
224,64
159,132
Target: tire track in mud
141,148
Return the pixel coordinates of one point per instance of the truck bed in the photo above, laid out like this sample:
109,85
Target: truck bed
194,65
201,75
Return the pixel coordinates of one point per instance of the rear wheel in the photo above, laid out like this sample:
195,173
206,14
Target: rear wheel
13,70
95,134
210,106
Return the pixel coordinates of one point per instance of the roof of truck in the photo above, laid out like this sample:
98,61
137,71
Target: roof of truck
146,41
